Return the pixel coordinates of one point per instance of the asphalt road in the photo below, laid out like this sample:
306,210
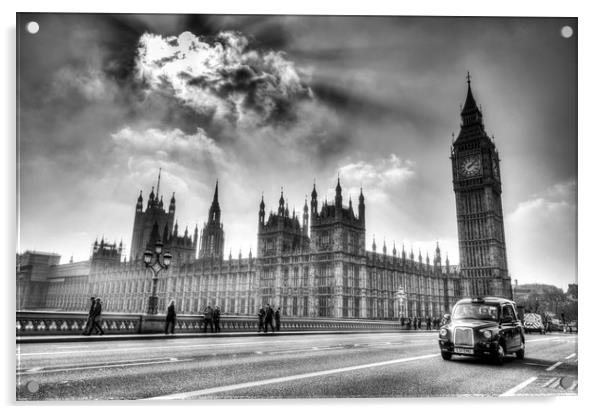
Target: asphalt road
273,366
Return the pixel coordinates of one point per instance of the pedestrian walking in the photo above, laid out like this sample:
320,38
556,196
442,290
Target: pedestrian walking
277,318
269,318
97,317
260,319
90,320
170,318
208,319
428,323
415,323
216,316
420,323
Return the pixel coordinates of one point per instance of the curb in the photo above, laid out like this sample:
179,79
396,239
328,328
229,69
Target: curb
126,337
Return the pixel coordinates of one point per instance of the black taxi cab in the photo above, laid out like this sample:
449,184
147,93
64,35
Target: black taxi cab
483,327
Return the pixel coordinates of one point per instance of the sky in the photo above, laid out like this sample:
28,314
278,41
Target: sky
262,103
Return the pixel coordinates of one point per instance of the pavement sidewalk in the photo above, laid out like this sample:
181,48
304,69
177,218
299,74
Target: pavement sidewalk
134,337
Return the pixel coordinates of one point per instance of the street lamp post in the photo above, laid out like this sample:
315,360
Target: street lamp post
402,295
156,263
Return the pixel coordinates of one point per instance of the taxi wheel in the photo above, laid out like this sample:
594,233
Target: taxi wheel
446,355
520,354
499,355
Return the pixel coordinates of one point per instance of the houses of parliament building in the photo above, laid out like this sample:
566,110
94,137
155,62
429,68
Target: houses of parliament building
315,265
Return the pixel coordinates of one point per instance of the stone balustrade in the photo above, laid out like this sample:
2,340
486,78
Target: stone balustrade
30,323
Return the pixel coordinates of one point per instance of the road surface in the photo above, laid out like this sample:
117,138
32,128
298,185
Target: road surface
364,365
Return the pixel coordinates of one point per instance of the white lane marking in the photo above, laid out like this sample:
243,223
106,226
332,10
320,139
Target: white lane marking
570,356
552,380
519,387
106,366
148,348
35,369
233,387
553,367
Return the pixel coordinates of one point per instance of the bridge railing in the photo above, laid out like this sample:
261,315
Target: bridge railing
30,323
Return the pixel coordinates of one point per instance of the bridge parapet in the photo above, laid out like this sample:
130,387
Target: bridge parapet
35,323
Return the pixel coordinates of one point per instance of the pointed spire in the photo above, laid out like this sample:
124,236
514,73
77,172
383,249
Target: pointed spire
158,181
175,229
470,112
215,193
394,249
384,246
373,242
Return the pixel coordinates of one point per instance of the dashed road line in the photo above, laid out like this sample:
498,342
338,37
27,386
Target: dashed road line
208,391
570,356
517,388
555,381
553,367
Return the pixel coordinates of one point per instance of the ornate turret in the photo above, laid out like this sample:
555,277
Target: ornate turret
281,203
338,198
172,204
362,207
314,201
139,203
151,198
437,259
261,211
305,218
212,236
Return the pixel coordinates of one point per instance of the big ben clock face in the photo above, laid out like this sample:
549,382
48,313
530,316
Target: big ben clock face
470,166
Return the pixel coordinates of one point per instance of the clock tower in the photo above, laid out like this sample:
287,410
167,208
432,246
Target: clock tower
478,190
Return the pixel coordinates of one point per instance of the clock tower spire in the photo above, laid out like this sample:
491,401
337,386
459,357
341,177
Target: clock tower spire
478,189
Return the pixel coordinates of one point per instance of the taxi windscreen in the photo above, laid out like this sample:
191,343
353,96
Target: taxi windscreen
476,311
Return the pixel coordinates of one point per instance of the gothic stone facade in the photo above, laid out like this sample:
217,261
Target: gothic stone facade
316,265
